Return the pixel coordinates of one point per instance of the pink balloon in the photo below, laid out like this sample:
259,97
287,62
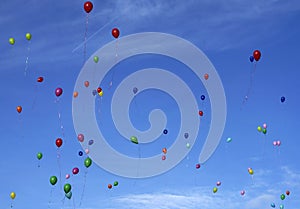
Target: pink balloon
87,151
264,125
67,176
163,157
278,143
218,183
58,92
242,192
198,166
80,137
75,170
274,143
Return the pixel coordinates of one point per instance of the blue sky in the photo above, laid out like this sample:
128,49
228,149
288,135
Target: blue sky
227,32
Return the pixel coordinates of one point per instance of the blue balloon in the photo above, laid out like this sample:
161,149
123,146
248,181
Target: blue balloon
80,153
273,205
251,58
94,92
202,97
282,99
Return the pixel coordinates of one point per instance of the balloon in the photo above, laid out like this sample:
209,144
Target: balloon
259,128
75,170
11,41
274,143
80,137
243,192
58,142
96,59
256,55
88,6
186,135
19,109
202,97
198,166
69,195
282,196
80,153
94,92
109,186
116,183
200,113
53,180
115,32
265,126
281,206
278,143
86,83
91,142
133,139
273,205
287,192
218,183
229,140
12,195
251,58
28,36
87,151
67,176
165,131
40,79
100,93
87,162
75,94
163,157
164,150
282,99
264,131
188,145
206,76
58,92
250,171
99,89
135,90
67,188
215,189
39,155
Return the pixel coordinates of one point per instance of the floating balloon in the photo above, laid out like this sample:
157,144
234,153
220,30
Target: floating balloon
282,99
259,129
80,153
67,176
186,135
229,140
58,142
86,83
218,183
100,93
28,36
109,186
287,192
80,137
133,139
87,162
198,166
264,131
99,89
265,126
250,171
68,195
11,41
75,170
273,205
87,151
91,142
281,206
282,196
53,180
19,109
96,59
206,76
94,92
39,155
251,58
164,150
163,157
256,55
115,32
116,183
75,94
188,145
202,97
135,90
40,79
165,131
278,142
88,6
215,189
200,112
58,92
67,188
12,195
243,192
275,143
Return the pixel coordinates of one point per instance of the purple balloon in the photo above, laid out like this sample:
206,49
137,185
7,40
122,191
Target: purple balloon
75,170
91,142
58,92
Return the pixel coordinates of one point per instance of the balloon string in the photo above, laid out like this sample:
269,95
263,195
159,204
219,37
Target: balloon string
85,37
50,198
83,189
27,58
59,167
251,84
116,60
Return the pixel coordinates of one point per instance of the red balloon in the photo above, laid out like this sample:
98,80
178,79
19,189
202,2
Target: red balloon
88,6
58,92
256,55
40,79
287,192
75,171
201,113
109,186
99,89
115,32
58,142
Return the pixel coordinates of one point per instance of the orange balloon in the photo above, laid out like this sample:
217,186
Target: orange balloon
86,83
206,76
164,150
19,109
75,94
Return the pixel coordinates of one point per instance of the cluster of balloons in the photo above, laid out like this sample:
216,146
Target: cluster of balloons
12,41
215,189
263,128
164,150
116,183
255,56
277,143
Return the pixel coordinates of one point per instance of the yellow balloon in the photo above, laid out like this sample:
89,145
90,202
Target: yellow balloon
100,93
251,171
215,189
12,195
259,128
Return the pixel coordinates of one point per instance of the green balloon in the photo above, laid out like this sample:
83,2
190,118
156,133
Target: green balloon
12,41
39,155
133,139
116,183
282,196
53,180
67,188
264,131
87,162
28,36
96,59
